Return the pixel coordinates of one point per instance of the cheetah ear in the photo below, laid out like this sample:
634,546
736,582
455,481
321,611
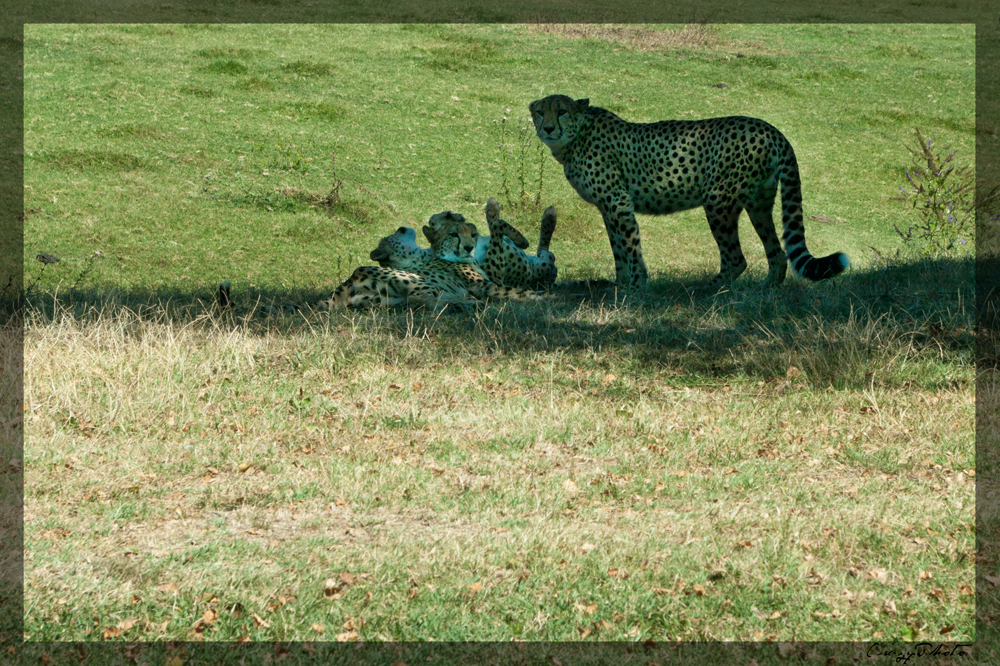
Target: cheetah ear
430,234
582,103
379,255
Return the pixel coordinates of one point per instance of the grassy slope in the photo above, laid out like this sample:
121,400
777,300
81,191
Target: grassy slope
652,469
160,161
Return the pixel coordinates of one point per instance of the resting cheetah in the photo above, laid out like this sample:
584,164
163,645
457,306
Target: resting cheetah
400,250
724,165
437,280
499,258
427,282
503,262
454,240
445,230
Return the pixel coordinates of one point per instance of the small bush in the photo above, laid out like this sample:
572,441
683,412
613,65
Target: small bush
522,163
943,195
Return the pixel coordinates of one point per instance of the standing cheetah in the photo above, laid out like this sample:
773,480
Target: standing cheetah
724,165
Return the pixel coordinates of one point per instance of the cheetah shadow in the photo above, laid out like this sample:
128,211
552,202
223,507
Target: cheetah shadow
676,324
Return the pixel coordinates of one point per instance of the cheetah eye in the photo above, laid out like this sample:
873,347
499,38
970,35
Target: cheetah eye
562,112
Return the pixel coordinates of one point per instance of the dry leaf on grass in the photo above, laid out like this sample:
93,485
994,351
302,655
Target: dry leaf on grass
120,628
878,574
334,588
197,630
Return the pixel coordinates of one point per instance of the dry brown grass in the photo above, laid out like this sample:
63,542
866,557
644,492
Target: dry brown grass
639,37
250,464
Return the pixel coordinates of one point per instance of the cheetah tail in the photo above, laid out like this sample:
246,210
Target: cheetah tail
548,228
821,268
803,264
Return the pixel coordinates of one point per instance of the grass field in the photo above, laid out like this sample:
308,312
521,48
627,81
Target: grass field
789,464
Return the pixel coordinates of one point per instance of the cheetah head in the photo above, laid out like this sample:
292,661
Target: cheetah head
557,119
400,250
452,238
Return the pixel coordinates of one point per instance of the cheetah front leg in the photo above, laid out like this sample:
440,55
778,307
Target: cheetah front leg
623,232
723,216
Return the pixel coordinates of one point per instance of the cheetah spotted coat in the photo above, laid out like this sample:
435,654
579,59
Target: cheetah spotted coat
724,165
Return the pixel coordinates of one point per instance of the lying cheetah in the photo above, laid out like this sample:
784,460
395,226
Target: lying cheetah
503,262
724,165
428,282
445,229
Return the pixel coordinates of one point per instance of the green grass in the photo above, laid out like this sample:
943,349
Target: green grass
374,105
788,464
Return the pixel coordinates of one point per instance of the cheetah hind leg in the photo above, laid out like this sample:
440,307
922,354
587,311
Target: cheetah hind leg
502,228
548,228
573,286
777,260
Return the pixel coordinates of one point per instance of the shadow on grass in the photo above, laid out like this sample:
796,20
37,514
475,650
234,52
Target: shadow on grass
901,323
